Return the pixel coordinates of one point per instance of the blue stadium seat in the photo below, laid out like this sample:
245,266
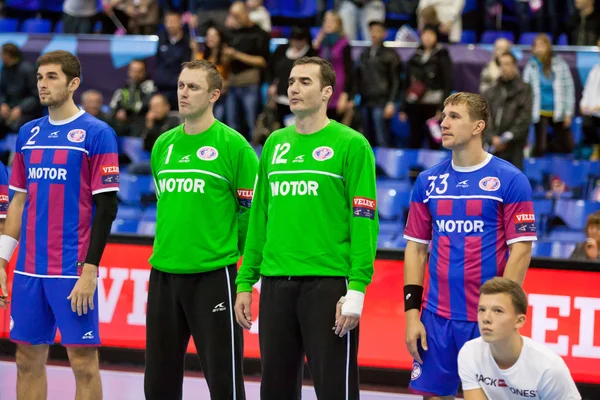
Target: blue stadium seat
133,147
574,213
543,210
393,199
147,225
397,17
566,235
574,173
468,37
563,40
127,220
554,249
576,129
9,143
536,170
428,158
489,37
36,25
132,187
58,28
527,38
9,25
273,6
395,162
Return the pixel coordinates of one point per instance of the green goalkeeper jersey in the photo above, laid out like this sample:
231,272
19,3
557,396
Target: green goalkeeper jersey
314,210
204,185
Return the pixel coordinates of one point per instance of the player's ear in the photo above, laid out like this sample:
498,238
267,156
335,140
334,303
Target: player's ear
479,127
215,96
327,92
74,84
521,320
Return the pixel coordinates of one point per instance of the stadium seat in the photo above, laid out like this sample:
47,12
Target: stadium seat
127,220
574,213
468,37
395,163
574,173
9,25
527,38
563,40
58,28
428,158
566,235
36,25
393,199
536,170
552,248
133,147
543,210
273,6
576,129
147,225
9,143
489,37
132,187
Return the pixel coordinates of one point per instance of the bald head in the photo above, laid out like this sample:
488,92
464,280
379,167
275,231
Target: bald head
238,15
501,46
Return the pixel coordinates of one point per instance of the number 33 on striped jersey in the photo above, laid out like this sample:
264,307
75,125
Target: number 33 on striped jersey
280,151
443,184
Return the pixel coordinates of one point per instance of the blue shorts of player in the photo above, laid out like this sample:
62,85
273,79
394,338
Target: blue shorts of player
438,375
40,305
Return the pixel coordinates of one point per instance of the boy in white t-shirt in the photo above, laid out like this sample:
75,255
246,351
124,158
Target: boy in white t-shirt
502,364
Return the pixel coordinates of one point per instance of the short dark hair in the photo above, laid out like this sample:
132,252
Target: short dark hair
11,50
513,289
376,23
327,75
138,60
511,55
215,80
69,64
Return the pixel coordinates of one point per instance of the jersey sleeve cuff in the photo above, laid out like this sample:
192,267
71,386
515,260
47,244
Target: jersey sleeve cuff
244,287
2,216
16,189
358,286
521,239
412,239
104,190
470,386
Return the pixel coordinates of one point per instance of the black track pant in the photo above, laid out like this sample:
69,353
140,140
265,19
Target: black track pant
200,305
296,318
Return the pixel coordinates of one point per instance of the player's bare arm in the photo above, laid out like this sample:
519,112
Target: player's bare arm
518,261
415,260
9,239
475,394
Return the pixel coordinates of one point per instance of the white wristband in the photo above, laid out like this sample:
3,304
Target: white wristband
352,303
7,247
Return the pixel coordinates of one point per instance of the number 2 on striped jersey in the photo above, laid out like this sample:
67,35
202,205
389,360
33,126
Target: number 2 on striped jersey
35,132
169,153
278,158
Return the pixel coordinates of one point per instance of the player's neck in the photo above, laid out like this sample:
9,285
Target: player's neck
65,111
507,352
311,123
468,156
195,126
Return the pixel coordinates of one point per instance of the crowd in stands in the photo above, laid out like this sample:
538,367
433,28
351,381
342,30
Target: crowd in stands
371,90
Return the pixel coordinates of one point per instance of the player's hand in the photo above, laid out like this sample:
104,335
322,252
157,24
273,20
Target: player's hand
415,330
4,111
348,311
243,311
82,295
3,284
343,323
388,111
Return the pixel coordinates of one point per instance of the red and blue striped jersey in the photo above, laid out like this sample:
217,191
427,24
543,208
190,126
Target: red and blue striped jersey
61,165
469,217
3,191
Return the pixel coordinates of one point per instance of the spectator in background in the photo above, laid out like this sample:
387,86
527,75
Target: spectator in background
590,110
143,16
280,66
584,27
491,72
510,110
428,84
79,16
259,14
450,14
588,250
359,13
378,82
115,15
213,52
158,120
553,98
173,50
208,13
428,16
332,45
19,101
92,101
248,57
130,103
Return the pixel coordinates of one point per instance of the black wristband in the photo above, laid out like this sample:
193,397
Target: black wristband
413,295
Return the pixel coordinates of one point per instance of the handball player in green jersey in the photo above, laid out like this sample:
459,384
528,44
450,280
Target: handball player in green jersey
204,174
312,239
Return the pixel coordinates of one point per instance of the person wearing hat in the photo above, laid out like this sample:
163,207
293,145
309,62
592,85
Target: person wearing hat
428,83
298,46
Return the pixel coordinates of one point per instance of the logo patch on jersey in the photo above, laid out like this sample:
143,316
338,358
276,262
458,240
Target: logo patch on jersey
207,153
245,197
416,371
489,184
3,203
323,153
109,173
525,222
76,135
463,184
53,135
364,207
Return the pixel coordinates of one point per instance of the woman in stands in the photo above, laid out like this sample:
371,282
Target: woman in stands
333,46
428,83
588,250
213,46
553,98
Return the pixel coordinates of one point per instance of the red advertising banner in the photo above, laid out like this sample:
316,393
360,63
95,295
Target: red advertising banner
564,312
